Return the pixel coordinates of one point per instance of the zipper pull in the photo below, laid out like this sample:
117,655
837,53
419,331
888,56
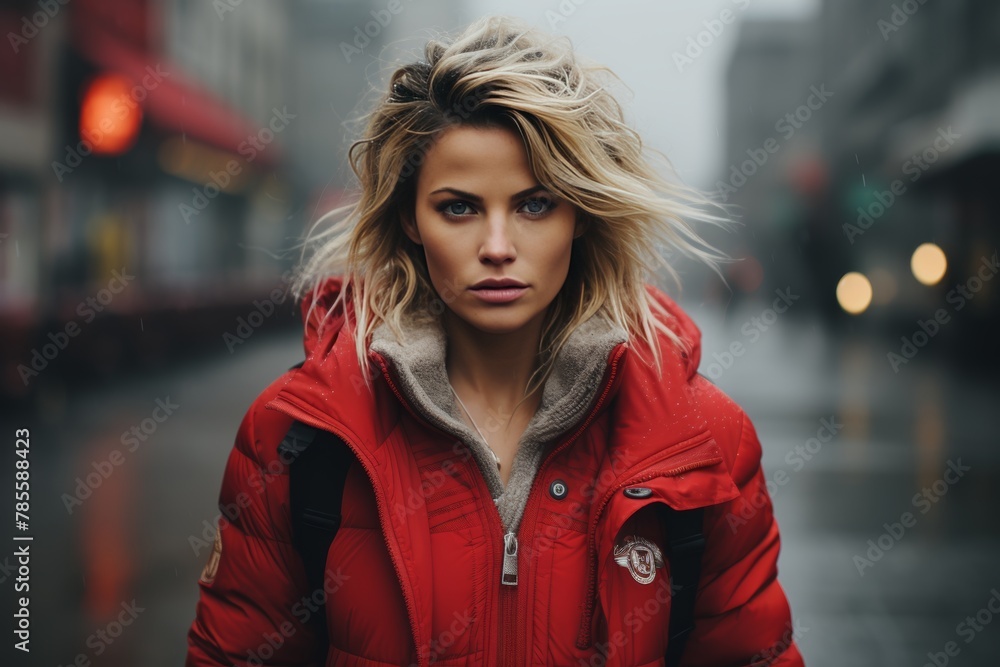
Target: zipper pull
509,560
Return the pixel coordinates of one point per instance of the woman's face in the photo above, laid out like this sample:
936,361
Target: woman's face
480,213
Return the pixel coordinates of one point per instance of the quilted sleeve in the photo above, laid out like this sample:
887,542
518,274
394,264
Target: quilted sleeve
254,605
742,616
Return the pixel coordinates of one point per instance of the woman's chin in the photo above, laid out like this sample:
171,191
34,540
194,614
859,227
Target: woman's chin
495,320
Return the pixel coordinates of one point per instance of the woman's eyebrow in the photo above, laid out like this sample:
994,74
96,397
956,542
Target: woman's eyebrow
477,198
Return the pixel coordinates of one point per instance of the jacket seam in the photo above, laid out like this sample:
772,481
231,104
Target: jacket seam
208,646
265,500
736,458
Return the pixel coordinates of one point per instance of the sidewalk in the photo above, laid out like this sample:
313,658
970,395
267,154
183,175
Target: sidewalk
899,433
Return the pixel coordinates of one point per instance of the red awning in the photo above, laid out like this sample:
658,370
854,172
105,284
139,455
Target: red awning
172,101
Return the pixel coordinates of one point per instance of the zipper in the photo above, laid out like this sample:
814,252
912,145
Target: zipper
512,641
287,407
509,576
508,543
508,649
583,637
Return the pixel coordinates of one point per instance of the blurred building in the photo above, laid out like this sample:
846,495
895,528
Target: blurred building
27,108
160,160
918,111
143,156
772,147
900,155
343,56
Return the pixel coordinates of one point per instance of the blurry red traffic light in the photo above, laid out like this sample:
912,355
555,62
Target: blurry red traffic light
110,115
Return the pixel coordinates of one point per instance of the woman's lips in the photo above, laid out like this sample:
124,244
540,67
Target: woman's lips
499,294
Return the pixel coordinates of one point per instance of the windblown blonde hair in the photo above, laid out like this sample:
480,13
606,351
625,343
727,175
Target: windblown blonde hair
502,72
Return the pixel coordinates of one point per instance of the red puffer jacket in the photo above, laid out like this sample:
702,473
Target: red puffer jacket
414,573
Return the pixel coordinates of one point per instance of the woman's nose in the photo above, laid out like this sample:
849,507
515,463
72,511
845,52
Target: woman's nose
498,245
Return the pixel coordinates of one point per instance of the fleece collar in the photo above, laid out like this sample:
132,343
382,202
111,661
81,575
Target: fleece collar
326,390
419,364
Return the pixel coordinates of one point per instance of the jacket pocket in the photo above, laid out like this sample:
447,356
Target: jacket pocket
635,590
692,475
689,475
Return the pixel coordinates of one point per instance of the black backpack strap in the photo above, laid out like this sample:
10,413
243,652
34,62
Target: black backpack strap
318,462
686,543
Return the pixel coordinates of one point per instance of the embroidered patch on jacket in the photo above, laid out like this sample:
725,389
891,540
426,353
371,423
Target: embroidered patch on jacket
212,566
640,556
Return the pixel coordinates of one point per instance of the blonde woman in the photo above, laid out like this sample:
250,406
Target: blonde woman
498,450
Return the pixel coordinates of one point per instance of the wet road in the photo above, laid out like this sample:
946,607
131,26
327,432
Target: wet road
891,538
885,487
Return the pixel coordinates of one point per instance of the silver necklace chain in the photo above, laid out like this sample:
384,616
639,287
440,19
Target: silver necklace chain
497,458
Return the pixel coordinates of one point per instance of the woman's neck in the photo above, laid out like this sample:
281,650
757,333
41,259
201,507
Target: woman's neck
492,368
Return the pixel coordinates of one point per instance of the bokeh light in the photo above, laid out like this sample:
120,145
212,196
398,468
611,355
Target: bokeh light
928,264
854,292
109,117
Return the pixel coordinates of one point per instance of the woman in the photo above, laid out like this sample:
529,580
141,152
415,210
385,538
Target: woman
525,428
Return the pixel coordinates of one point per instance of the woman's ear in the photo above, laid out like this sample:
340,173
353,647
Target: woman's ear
582,224
410,227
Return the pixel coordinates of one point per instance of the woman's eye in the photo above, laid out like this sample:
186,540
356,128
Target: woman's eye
448,208
545,204
534,207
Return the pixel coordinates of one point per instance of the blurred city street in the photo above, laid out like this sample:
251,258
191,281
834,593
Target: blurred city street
899,433
162,160
137,536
